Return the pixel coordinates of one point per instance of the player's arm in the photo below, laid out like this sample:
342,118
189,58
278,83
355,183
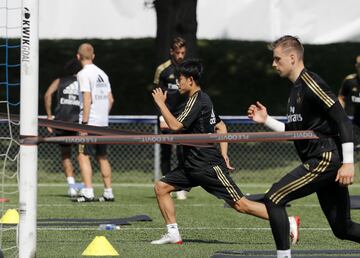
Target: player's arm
344,91
111,100
221,128
156,80
171,121
86,106
346,173
158,83
323,98
85,90
86,109
341,99
258,113
53,87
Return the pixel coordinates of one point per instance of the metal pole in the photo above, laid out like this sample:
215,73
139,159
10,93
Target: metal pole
28,127
157,174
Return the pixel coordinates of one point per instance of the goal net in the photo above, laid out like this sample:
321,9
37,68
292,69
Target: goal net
10,33
18,81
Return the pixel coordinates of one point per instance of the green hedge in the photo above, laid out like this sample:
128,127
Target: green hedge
237,73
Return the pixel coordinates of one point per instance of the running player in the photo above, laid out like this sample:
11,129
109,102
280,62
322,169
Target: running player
327,167
205,167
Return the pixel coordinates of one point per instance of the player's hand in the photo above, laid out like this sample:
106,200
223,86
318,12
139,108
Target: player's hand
227,162
164,125
159,96
345,175
83,133
50,130
257,112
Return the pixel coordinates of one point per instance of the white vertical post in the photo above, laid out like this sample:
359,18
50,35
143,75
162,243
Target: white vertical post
28,127
157,174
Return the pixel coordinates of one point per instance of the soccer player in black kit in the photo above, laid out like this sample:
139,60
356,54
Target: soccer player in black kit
165,78
67,109
349,97
327,167
205,167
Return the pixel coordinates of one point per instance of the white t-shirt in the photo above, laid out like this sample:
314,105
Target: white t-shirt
92,79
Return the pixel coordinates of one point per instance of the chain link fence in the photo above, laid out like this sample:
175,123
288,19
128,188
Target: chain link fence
253,162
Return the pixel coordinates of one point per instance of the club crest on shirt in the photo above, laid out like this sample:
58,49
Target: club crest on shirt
298,99
307,166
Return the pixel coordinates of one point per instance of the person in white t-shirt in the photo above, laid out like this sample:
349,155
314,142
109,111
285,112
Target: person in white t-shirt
96,101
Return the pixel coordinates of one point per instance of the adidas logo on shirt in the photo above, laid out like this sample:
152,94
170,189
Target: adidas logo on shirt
100,82
99,79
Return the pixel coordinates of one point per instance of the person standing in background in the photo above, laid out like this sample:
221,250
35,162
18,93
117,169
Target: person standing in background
349,97
166,79
67,109
96,101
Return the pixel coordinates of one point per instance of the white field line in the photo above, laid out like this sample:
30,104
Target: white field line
162,228
150,185
141,205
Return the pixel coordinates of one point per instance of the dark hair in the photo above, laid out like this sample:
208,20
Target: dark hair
72,66
290,42
178,42
191,68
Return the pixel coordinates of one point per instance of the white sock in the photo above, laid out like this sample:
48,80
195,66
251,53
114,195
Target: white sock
173,228
284,253
70,180
88,192
108,193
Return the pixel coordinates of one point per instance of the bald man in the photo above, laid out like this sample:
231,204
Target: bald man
96,101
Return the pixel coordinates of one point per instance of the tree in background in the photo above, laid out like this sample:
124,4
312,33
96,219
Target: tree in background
175,18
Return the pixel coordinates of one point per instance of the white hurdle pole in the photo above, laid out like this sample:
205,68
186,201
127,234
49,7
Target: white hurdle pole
28,127
157,169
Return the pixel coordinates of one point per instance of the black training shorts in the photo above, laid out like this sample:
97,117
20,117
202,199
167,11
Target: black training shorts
312,176
215,180
59,132
93,149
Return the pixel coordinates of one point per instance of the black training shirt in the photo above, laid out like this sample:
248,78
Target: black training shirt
166,79
198,116
313,106
350,89
68,104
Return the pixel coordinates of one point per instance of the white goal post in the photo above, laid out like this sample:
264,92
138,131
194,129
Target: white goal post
28,127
